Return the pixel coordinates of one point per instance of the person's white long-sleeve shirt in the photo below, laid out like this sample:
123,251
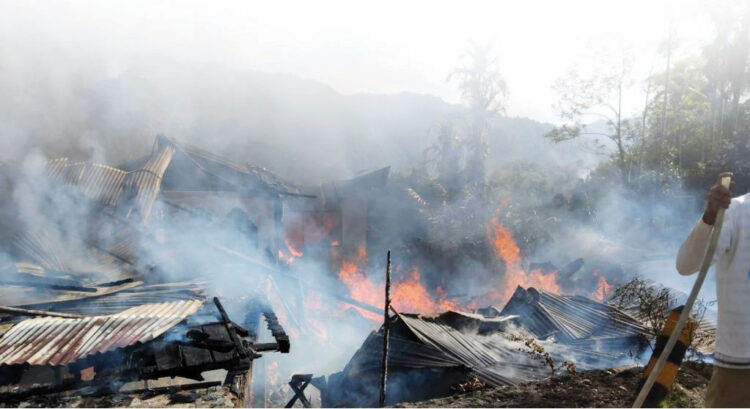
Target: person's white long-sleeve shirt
732,260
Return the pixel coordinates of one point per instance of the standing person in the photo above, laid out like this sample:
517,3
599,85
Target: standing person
730,383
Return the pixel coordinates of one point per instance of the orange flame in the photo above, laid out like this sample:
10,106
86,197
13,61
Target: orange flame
294,252
411,295
602,287
506,249
408,294
503,244
444,303
361,288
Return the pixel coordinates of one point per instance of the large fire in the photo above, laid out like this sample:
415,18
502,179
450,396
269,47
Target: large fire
410,295
506,249
407,292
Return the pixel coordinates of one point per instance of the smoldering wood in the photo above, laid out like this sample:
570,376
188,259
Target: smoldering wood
232,334
277,331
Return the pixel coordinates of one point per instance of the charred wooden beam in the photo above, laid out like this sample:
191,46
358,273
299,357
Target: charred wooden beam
38,313
298,385
241,350
266,346
277,331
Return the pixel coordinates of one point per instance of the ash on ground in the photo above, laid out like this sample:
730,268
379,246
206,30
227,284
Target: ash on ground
614,387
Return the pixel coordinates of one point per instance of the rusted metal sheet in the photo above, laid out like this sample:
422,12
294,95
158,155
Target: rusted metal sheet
60,341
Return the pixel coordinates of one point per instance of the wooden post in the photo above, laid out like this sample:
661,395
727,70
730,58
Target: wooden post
386,331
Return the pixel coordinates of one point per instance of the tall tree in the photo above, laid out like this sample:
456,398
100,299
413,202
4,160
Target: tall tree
485,92
727,68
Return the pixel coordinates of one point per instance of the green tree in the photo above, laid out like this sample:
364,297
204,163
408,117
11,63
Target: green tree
596,99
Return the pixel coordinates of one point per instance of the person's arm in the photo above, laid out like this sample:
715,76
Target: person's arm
693,249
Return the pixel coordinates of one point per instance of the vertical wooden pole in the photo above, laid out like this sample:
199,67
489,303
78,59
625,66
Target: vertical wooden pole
386,331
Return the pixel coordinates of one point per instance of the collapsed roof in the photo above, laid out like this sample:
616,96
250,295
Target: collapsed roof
446,349
61,341
72,263
573,320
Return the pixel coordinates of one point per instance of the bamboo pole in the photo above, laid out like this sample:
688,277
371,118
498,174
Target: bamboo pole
386,331
707,259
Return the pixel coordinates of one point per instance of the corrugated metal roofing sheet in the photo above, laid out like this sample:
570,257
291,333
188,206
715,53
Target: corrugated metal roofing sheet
98,182
469,351
108,184
132,297
448,341
569,318
240,176
145,183
26,296
60,341
44,247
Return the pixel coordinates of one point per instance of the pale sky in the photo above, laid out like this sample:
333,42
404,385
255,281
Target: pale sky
356,46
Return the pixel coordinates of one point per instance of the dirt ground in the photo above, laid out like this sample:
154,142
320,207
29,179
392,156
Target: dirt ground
215,397
615,387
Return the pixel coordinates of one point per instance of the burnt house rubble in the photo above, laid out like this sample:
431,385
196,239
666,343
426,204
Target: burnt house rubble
430,355
101,290
171,273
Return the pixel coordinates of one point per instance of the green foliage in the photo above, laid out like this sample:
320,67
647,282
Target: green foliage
695,122
677,397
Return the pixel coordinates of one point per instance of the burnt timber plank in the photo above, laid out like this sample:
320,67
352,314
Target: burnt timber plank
219,332
196,356
168,358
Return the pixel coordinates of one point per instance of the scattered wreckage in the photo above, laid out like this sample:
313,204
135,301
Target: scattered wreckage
125,303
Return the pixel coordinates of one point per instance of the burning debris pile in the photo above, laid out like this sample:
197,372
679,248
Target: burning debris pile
176,271
536,334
